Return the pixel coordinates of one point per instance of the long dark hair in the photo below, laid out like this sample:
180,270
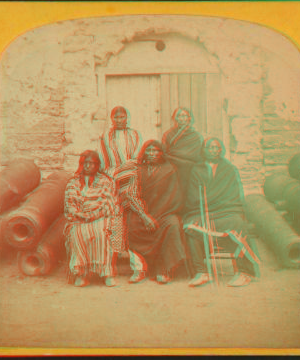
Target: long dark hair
156,143
181,109
123,110
207,142
118,108
79,173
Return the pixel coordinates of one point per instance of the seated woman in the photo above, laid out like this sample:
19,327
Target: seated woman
182,145
90,208
154,229
218,183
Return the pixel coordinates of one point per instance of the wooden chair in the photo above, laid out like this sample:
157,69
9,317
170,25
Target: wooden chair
220,253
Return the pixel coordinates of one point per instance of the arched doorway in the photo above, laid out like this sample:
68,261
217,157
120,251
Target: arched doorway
154,75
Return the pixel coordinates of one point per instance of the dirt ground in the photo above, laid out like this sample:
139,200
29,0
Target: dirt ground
46,312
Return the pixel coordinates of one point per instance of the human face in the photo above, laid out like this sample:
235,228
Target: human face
153,154
183,118
119,119
212,151
89,166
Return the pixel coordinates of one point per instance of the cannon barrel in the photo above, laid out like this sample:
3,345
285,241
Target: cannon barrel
291,195
294,167
19,178
274,185
274,230
50,250
279,187
24,227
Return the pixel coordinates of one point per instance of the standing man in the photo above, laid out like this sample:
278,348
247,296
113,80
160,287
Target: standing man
183,145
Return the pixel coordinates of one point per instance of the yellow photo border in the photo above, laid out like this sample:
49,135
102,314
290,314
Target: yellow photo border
17,18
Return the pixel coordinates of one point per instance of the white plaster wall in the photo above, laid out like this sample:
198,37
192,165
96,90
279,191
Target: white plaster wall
49,91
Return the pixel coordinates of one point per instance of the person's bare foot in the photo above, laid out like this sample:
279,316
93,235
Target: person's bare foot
200,279
137,276
163,279
81,281
110,281
240,279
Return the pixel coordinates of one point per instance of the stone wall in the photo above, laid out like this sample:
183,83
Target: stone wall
280,114
49,88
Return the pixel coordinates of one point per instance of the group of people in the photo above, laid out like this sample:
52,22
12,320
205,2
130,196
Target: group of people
160,201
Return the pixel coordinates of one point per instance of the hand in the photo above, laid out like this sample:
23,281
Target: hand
83,216
189,230
150,224
117,210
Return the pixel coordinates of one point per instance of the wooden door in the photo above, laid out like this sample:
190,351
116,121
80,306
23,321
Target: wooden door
199,92
152,99
140,95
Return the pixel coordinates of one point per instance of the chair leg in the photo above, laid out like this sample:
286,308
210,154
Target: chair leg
253,246
207,256
234,265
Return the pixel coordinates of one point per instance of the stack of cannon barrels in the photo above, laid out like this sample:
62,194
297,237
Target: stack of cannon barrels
276,215
31,215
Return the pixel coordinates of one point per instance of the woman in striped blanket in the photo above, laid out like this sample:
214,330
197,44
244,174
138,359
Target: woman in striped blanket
121,143
91,209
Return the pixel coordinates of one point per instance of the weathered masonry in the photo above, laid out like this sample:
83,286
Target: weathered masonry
242,81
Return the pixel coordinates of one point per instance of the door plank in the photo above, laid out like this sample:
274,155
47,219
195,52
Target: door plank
184,90
174,103
198,100
137,93
214,106
165,109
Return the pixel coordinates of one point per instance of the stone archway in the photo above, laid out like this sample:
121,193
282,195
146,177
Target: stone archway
154,74
259,102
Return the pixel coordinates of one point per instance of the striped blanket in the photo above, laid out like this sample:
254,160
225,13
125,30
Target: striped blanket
92,233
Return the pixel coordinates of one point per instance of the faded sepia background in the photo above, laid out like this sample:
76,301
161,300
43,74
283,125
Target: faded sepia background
59,83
